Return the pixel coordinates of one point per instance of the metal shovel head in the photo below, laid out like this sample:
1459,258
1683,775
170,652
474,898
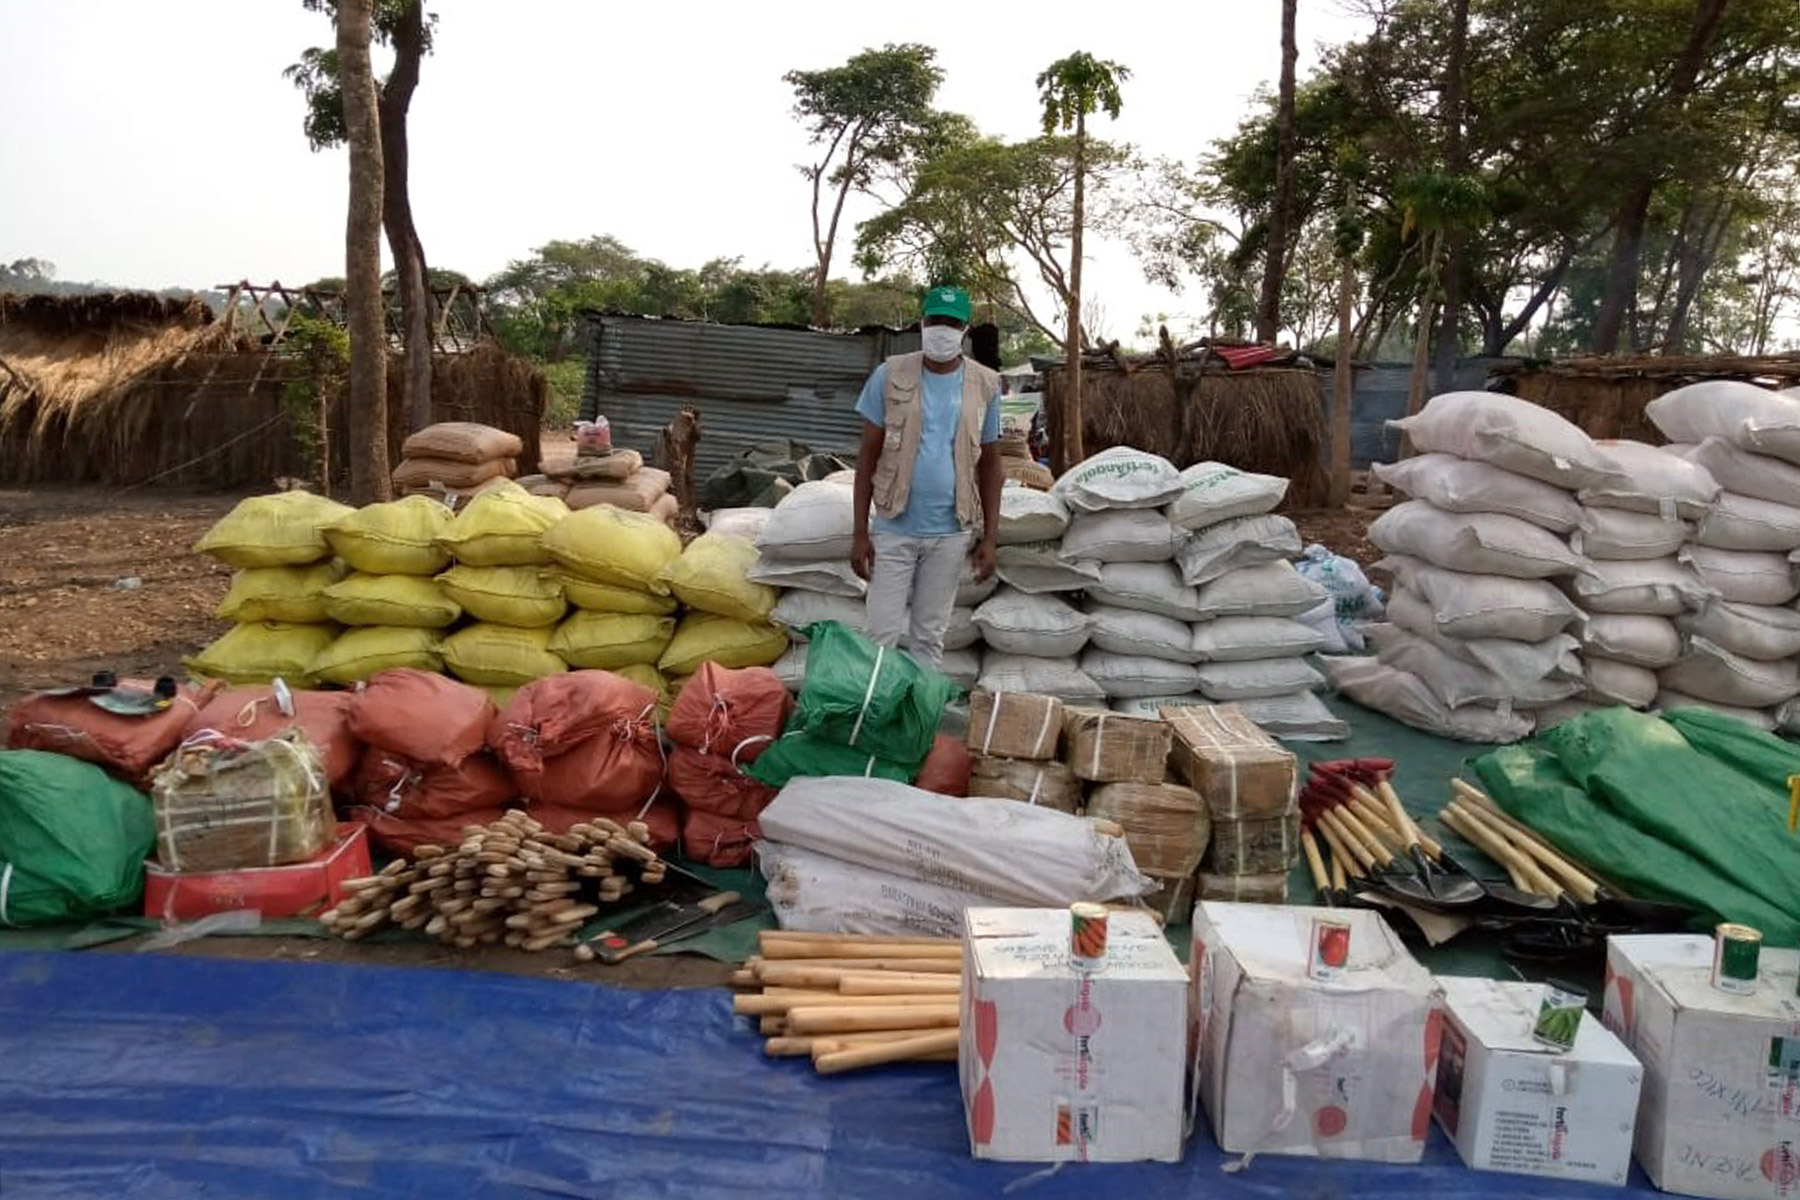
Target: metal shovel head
1640,916
1450,887
1503,899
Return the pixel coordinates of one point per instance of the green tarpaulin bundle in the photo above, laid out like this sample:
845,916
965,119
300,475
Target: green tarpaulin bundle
872,699
72,839
1690,809
797,754
763,474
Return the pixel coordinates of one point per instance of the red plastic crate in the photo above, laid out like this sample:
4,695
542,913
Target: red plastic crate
284,891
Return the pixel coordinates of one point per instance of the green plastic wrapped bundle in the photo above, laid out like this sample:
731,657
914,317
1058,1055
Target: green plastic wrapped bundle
797,754
72,839
872,699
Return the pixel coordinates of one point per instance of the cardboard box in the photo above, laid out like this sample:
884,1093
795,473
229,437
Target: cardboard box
1059,1066
1720,1114
1513,1104
1240,770
1109,747
1254,845
1014,724
284,891
1286,1065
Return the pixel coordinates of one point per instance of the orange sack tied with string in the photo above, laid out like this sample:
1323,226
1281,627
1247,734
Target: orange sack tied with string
585,740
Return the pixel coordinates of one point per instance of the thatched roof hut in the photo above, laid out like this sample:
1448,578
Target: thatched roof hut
1606,396
132,388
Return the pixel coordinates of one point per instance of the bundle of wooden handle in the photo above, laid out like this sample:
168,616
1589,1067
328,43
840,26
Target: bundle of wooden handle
1532,863
509,882
849,1001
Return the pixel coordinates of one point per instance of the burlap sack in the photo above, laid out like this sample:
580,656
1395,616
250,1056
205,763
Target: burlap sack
462,441
638,493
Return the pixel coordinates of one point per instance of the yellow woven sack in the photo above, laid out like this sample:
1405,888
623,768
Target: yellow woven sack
396,538
292,594
282,530
503,527
611,545
500,656
265,650
711,575
646,675
608,641
707,637
610,597
360,653
525,597
411,601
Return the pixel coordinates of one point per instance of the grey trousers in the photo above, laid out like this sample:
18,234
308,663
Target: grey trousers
912,589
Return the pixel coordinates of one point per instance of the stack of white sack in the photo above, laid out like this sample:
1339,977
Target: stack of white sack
852,855
1739,649
1031,628
1479,637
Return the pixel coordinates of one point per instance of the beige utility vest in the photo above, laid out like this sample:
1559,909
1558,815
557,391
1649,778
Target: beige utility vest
903,402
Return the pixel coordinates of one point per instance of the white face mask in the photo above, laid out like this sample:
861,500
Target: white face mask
941,342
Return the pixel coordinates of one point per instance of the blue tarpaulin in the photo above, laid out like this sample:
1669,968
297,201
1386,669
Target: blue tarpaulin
167,1076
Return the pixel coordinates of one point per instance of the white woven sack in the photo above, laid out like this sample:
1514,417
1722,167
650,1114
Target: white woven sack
1457,682
1146,587
816,893
746,523
1239,542
831,576
1405,698
1040,567
1745,415
962,666
969,593
1297,717
1746,473
1272,589
1618,533
1463,486
1561,713
960,634
1016,622
1119,477
1059,677
1758,631
1212,492
1122,535
1613,682
1235,639
1714,673
1152,706
1739,522
1129,631
1513,434
1137,675
1228,682
1635,638
1657,587
1474,543
1756,718
1742,576
1653,479
815,521
1028,515
1485,606
791,666
1519,663
797,609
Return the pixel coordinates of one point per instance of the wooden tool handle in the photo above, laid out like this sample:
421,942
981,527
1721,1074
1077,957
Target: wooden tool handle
848,947
1310,845
1339,882
1391,798
1377,823
1502,851
1580,884
889,1052
786,1002
1475,837
717,901
838,1019
892,983
1342,857
765,936
1374,854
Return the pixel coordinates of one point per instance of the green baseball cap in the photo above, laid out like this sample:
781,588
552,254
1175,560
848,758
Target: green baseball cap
948,301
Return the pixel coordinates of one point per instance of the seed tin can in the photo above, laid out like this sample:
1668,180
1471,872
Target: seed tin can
1087,936
1737,950
1329,952
1559,1015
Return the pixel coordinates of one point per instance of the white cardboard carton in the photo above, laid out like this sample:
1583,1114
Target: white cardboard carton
1720,1114
1512,1104
1057,1065
1287,1065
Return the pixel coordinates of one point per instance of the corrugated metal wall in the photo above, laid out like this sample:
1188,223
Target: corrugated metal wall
1380,396
750,383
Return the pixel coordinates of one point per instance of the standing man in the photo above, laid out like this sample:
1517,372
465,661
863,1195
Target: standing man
929,467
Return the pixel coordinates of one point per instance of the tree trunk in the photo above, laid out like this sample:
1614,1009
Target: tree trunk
369,468
402,235
1071,445
1620,298
1416,393
1342,385
1449,337
1268,308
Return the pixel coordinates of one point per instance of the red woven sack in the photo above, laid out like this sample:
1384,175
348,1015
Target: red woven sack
716,841
946,769
428,718
586,740
733,714
411,792
79,728
399,835
710,784
663,817
252,715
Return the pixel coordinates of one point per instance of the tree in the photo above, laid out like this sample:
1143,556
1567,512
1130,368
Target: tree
1268,309
870,118
369,479
1071,90
407,28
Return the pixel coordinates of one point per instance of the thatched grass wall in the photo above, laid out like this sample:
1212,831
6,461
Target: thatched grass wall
1606,396
130,389
1271,420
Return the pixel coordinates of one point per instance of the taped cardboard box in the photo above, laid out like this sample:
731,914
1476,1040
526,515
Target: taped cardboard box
1511,1103
1243,889
1175,903
1720,1111
1062,1066
1256,846
1165,824
1015,724
1108,747
223,804
1286,1064
1049,783
1238,768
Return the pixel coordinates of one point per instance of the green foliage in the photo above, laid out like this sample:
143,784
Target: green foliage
316,74
869,113
323,353
566,381
1074,88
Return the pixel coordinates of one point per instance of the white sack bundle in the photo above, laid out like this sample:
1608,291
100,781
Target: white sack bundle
1297,717
1619,533
1212,492
1474,543
1635,638
1028,515
796,609
1138,675
1239,542
1040,567
1653,479
816,893
1714,673
1152,706
1122,535
1018,853
1271,589
1612,682
1457,682
1759,631
1059,677
1561,713
1743,576
1746,473
1405,698
1228,682
747,523
1512,434
1464,486
813,522
1485,606
962,666
1016,622
1132,632
1119,477
832,576
1739,522
1657,587
1745,415
790,668
1519,663
969,593
1234,639
1146,587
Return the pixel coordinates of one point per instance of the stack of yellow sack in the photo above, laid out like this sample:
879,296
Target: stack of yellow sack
727,619
395,610
612,563
456,458
504,578
284,566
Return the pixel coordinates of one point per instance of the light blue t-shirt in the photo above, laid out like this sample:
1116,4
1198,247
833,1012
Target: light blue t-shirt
931,505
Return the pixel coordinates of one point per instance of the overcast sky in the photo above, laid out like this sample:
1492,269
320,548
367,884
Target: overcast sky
157,145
